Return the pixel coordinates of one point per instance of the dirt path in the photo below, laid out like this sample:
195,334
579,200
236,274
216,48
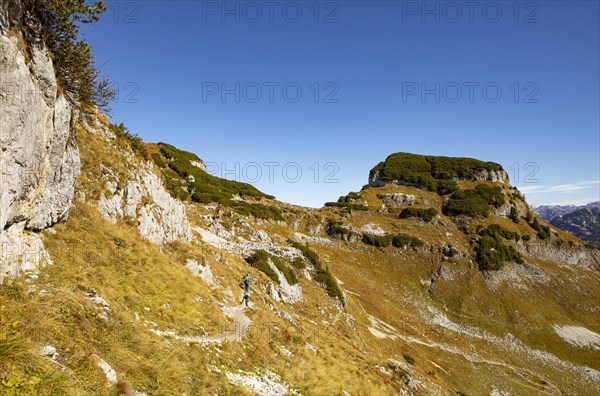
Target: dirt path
241,325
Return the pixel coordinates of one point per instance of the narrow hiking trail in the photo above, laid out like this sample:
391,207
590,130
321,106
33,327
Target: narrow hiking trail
241,325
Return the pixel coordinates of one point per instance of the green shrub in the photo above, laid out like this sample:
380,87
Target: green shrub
494,230
308,253
449,251
543,230
135,142
77,75
446,187
259,211
256,210
288,273
158,160
544,233
474,202
172,152
138,146
174,185
492,194
206,198
470,205
211,189
322,276
427,214
378,240
408,358
260,260
325,278
351,197
260,263
204,182
208,183
346,205
335,227
526,238
299,263
403,240
183,167
399,241
492,253
529,217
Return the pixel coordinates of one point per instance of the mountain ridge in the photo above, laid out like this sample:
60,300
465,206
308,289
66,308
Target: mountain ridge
548,212
582,221
395,289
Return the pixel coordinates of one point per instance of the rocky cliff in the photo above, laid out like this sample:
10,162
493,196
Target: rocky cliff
39,156
160,218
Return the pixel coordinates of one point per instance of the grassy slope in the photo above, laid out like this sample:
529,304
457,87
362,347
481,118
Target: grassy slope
390,284
386,283
138,278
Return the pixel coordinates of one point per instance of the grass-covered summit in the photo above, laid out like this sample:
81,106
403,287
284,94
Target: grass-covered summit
433,173
187,179
202,186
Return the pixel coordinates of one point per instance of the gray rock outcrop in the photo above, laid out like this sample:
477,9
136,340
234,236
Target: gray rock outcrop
549,251
397,199
285,292
499,176
161,218
39,158
201,271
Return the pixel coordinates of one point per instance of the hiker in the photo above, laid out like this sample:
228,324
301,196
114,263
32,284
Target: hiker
245,299
247,282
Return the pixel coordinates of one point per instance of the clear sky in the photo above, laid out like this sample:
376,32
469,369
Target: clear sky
303,98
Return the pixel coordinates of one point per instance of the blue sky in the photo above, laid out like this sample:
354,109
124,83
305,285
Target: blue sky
303,98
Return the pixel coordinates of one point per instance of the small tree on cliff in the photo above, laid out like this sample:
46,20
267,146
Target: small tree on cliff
76,71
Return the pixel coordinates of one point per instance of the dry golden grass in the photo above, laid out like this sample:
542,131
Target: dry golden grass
146,285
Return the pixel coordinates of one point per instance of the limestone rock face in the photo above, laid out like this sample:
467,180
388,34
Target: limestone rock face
20,252
546,250
499,176
284,291
11,13
199,165
397,199
201,271
161,218
39,158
